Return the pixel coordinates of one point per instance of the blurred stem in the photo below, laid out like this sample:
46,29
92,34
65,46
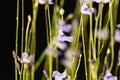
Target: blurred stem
50,66
78,66
33,41
22,39
84,47
118,63
49,20
57,67
16,41
24,72
111,33
47,28
100,25
21,71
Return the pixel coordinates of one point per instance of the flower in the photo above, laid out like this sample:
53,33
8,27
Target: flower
102,34
45,1
62,37
118,25
85,1
109,76
25,58
117,35
85,10
59,76
103,1
65,27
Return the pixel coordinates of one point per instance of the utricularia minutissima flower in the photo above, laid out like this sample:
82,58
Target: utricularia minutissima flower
86,10
109,76
60,76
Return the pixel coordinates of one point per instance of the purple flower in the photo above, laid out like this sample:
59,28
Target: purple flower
25,58
64,27
109,76
59,76
103,1
117,35
62,37
85,10
45,1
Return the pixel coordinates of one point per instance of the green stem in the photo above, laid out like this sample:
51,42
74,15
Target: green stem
27,30
49,20
78,66
100,26
47,28
112,36
16,42
22,39
84,48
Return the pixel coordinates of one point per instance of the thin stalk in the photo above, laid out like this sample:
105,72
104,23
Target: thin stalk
16,40
78,35
24,72
50,66
27,30
78,66
84,48
47,33
49,20
33,42
21,71
112,36
22,39
100,26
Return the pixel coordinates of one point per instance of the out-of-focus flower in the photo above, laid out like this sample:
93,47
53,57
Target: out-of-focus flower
62,37
85,1
45,2
67,63
102,34
109,76
63,26
103,1
86,10
59,76
118,25
117,35
26,59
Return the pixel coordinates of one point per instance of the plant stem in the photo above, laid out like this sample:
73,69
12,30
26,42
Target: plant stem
112,36
84,47
22,39
16,41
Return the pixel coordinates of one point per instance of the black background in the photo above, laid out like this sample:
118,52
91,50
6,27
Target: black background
7,34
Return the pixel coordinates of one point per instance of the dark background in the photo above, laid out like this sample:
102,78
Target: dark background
7,32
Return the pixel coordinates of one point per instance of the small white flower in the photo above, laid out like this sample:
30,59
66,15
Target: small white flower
25,58
103,1
109,76
86,10
45,1
59,76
